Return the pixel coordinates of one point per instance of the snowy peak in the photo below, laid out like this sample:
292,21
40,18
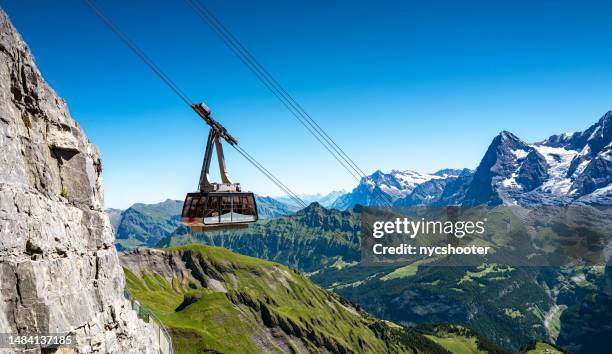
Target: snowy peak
508,166
396,184
325,200
561,169
379,186
409,179
452,172
597,136
506,141
580,163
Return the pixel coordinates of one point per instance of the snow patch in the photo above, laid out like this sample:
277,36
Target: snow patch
511,182
558,161
602,191
520,153
398,184
606,155
594,133
412,178
581,167
585,150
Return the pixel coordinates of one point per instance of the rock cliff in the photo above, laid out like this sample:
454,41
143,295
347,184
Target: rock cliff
59,271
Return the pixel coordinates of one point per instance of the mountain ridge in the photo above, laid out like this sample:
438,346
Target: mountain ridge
562,169
258,306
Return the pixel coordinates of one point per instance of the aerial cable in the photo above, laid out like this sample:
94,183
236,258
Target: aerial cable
265,171
220,28
181,94
294,108
270,85
274,180
141,54
288,101
262,74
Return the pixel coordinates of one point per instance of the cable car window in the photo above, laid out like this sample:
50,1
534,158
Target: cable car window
252,209
200,208
242,209
226,210
192,207
237,208
186,206
211,210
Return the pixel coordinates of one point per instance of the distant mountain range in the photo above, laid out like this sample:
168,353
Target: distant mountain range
563,169
381,188
147,224
325,200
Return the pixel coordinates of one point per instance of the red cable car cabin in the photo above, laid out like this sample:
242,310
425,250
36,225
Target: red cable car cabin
219,210
217,206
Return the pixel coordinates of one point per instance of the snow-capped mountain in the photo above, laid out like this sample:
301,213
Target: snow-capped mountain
563,169
392,187
590,168
509,166
439,191
567,168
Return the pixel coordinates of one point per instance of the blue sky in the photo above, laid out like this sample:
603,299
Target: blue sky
419,85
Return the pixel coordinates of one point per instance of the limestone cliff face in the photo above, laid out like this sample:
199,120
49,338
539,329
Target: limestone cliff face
59,271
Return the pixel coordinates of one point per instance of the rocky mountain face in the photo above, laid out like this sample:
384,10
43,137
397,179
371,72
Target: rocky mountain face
59,271
563,169
508,165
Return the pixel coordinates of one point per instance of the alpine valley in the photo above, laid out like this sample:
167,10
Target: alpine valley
512,307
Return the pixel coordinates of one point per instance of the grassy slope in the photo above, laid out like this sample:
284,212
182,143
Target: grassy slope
543,348
457,345
460,339
261,295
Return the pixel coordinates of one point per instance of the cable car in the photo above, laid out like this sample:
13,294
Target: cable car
217,206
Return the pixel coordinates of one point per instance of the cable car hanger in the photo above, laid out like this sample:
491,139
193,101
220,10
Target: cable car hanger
217,131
